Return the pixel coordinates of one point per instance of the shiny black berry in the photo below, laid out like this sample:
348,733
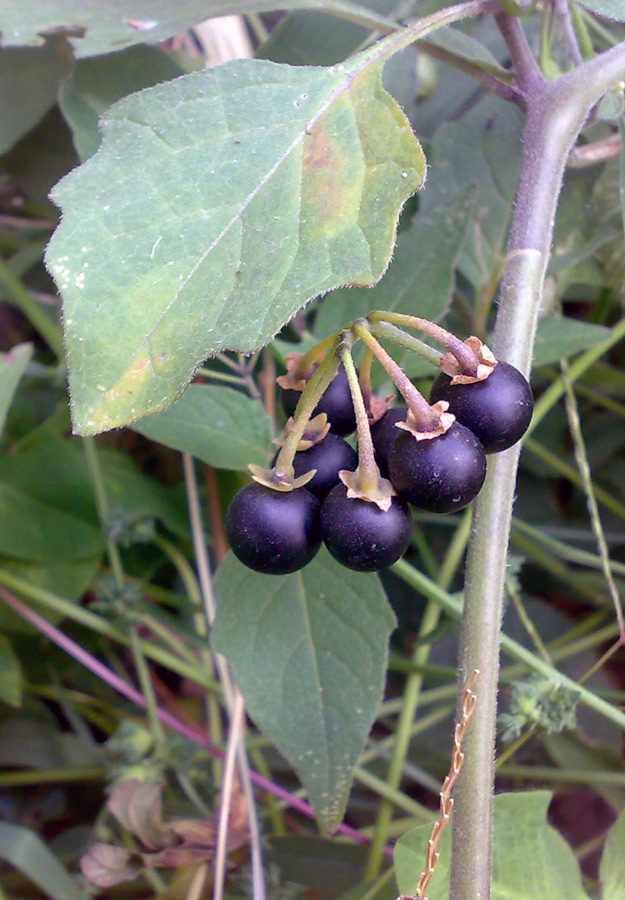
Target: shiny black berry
383,435
362,536
274,532
328,457
336,403
498,410
441,474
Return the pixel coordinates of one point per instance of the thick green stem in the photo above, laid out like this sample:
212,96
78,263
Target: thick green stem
556,115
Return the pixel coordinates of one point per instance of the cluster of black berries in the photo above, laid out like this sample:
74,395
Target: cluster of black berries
278,531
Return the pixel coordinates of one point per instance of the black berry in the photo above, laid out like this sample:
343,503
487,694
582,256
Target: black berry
383,435
498,410
440,474
328,457
336,403
274,532
362,536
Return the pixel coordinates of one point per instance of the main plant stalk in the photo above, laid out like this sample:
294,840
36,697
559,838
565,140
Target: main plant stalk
556,113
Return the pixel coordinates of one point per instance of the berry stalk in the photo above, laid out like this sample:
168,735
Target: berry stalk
368,472
310,359
311,395
426,418
467,359
407,341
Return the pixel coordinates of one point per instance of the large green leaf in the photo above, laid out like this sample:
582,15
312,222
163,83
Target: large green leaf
29,82
27,852
42,533
481,149
558,337
309,652
611,9
222,427
10,674
218,204
95,27
97,83
12,367
612,869
530,859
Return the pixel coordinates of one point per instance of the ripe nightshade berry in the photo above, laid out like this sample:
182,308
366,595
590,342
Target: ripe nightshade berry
362,536
383,435
328,457
440,474
274,532
336,403
497,410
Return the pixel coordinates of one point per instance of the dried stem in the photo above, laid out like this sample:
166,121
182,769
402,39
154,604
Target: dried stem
447,803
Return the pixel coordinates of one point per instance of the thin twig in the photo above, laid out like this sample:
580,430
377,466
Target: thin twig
234,741
564,14
583,466
591,154
529,77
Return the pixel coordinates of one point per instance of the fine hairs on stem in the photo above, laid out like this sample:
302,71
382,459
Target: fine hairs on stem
446,805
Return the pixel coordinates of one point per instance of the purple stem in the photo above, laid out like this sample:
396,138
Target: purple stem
131,693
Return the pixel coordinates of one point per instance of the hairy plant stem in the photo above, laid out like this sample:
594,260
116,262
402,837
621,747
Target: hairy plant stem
556,113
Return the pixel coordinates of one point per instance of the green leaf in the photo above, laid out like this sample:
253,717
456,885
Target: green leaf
612,868
611,9
53,471
41,533
10,674
530,858
12,367
222,427
95,27
482,149
96,83
326,867
309,653
218,204
29,82
558,337
23,849
421,277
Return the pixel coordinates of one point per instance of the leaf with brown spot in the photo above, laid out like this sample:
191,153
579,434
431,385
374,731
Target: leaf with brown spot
218,204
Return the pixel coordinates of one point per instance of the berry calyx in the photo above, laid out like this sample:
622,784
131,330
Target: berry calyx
336,403
274,532
362,536
327,457
498,410
384,433
440,474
